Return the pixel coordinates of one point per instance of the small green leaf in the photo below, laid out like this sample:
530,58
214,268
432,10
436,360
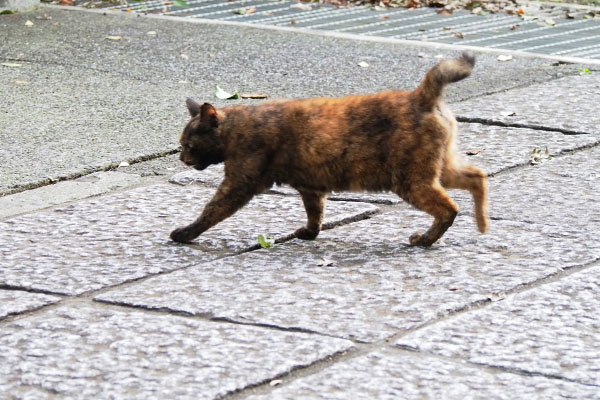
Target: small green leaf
223,95
538,156
180,3
265,241
7,12
585,71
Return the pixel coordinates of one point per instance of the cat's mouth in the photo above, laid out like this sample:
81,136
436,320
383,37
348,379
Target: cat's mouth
200,166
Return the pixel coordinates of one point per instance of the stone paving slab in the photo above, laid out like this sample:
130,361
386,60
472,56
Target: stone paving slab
569,103
85,351
560,192
384,374
108,240
503,147
362,280
16,301
94,121
550,330
90,185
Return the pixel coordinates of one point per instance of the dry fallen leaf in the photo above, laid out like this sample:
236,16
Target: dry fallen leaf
245,11
11,65
503,57
300,6
29,23
21,83
363,64
444,11
497,296
254,96
473,152
323,262
459,35
110,37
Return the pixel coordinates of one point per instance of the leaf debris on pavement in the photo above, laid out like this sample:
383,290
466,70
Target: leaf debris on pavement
301,6
265,241
473,152
254,95
224,95
245,10
538,156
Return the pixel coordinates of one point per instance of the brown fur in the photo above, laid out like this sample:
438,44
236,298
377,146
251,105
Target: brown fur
393,140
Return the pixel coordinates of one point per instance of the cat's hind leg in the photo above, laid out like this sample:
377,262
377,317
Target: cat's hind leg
473,179
314,204
434,200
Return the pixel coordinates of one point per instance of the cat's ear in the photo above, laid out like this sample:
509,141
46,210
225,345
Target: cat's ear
208,115
193,106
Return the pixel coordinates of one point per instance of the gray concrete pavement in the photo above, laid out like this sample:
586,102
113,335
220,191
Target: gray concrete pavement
96,302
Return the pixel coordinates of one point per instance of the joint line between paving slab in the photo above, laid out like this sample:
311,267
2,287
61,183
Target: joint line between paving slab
76,175
561,153
207,316
31,290
480,304
297,371
490,367
493,122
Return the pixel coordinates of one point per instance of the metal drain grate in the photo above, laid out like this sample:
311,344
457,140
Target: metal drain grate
569,37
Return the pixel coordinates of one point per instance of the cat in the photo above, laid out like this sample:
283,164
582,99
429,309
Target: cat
400,141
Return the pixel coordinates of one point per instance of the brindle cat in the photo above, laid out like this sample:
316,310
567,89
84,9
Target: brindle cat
393,140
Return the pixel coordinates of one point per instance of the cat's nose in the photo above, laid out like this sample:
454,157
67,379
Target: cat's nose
184,160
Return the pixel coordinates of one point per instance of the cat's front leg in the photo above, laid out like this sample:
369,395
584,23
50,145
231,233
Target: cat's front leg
228,199
314,204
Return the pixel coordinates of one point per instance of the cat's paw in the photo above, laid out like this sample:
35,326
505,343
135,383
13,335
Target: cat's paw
483,223
182,235
306,234
418,239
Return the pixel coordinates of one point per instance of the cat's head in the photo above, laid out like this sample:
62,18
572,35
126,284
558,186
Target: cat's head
201,145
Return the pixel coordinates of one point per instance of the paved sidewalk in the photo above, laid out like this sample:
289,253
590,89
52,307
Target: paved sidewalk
96,302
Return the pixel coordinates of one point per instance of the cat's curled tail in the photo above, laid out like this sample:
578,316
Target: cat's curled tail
447,71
